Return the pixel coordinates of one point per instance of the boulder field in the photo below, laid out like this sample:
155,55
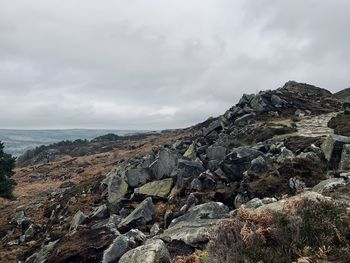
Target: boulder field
166,203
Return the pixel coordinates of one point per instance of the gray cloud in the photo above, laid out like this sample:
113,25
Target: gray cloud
159,64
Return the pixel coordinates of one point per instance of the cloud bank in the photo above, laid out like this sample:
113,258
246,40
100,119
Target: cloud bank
160,64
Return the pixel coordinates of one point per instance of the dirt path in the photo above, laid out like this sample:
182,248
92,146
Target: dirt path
315,126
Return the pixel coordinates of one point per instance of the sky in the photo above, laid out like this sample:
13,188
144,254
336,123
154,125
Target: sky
156,64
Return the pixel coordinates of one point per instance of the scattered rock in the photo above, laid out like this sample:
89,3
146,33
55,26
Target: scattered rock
328,185
193,227
154,251
142,215
164,164
254,203
333,147
217,153
100,212
159,188
345,158
78,219
138,176
118,248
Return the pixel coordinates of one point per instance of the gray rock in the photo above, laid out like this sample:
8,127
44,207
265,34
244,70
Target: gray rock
100,212
159,188
240,200
189,169
78,219
138,176
30,232
43,254
118,248
193,227
244,119
258,164
246,98
213,126
142,214
296,185
286,155
155,229
254,203
136,236
190,202
154,251
345,158
277,101
191,152
239,161
217,153
166,162
115,187
259,104
328,185
196,184
268,200
332,148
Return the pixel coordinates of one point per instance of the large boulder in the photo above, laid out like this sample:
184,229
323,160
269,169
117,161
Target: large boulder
213,126
346,106
138,176
332,148
239,161
217,153
166,162
114,187
194,226
159,188
345,158
119,247
328,185
142,215
189,169
154,251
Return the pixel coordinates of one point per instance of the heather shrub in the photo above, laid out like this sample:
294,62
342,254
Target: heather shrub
310,231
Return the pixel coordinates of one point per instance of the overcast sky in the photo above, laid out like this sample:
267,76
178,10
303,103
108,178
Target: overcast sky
153,64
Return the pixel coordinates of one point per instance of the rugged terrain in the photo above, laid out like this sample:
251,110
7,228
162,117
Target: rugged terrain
247,186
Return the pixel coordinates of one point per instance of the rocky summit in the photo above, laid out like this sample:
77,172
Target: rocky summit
241,187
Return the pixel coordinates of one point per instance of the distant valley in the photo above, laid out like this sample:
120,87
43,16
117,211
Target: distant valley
18,141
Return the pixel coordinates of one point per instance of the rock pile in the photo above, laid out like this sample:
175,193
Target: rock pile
152,208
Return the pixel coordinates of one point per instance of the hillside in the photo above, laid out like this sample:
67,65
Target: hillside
267,181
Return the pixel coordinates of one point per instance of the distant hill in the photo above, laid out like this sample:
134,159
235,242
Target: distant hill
18,141
343,93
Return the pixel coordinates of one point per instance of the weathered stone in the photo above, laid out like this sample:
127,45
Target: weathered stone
193,227
114,187
217,153
328,185
345,158
245,99
258,164
296,185
213,126
254,203
155,229
277,101
159,188
78,219
333,147
100,212
30,232
142,214
189,169
191,152
259,104
166,162
154,251
285,155
118,248
136,236
43,254
239,161
138,176
244,119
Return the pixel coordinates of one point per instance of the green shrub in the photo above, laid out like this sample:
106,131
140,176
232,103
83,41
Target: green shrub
7,164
